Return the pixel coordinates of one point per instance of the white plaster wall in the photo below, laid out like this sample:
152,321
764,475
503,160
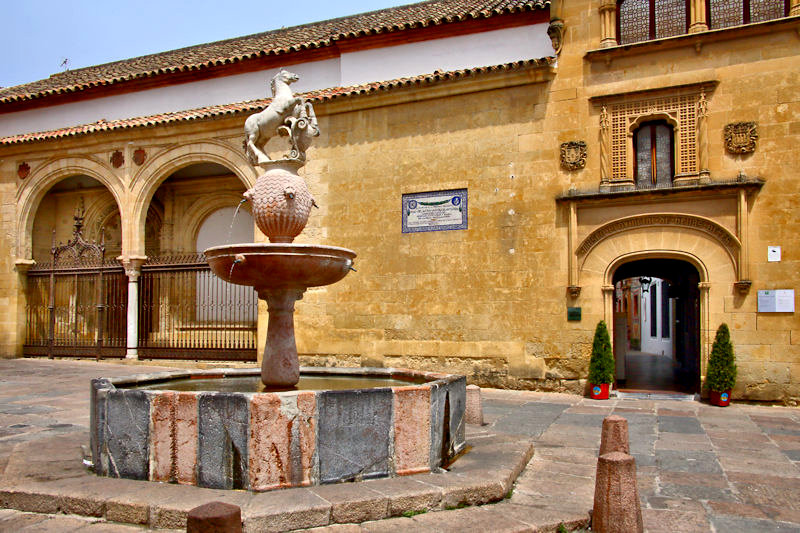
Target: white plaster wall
658,345
220,227
227,90
451,53
481,49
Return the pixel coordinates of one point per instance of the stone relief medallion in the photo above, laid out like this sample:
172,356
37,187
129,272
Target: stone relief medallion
741,137
117,159
23,171
573,155
139,156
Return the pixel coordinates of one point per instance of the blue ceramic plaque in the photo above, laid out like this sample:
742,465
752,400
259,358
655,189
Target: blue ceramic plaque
435,211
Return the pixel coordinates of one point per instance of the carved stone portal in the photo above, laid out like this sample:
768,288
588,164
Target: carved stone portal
573,155
741,137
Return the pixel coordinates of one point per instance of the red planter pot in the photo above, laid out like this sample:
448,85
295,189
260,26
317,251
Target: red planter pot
722,399
599,391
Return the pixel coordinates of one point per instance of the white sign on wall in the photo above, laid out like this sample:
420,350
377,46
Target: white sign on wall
776,301
435,211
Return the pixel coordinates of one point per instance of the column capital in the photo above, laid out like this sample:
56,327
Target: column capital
23,265
132,264
606,5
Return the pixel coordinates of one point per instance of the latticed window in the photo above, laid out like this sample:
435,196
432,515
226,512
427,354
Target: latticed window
642,20
653,143
727,13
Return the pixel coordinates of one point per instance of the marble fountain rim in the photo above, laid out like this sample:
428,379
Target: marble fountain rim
277,248
136,379
226,440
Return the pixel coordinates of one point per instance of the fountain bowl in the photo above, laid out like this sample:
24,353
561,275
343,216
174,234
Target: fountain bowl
141,428
268,266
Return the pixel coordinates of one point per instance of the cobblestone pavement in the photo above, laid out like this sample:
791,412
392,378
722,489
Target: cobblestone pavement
700,468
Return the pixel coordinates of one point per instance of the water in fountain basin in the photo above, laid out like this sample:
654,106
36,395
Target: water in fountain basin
253,383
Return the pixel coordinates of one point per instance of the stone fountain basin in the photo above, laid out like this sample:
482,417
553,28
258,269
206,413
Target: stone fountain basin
280,265
268,440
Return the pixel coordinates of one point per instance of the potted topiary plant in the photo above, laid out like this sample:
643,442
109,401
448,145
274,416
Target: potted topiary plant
721,376
601,365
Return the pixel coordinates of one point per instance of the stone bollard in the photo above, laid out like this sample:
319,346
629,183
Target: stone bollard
214,517
614,437
474,410
616,498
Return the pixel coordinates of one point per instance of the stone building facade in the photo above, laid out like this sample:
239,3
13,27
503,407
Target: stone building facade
630,146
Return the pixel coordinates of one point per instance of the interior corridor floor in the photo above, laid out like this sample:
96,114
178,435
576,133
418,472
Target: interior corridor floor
650,372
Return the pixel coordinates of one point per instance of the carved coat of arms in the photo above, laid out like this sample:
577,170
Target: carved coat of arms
741,137
573,155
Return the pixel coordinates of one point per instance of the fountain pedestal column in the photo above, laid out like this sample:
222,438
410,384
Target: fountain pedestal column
280,366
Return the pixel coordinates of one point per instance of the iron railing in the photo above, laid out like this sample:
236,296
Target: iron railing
186,312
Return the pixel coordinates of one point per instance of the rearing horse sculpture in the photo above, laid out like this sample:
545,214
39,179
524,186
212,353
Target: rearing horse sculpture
260,127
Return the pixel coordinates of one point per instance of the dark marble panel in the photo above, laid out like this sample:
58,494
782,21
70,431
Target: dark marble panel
438,402
354,434
97,420
457,395
224,423
127,434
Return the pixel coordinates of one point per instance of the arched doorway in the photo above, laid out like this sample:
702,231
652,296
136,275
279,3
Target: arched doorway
184,311
657,326
74,292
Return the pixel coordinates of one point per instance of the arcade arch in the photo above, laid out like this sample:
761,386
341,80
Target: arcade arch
74,172
207,159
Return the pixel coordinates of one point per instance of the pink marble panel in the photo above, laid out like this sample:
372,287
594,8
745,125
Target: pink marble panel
305,435
161,443
185,438
269,446
412,429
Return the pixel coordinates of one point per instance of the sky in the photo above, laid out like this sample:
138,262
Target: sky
38,35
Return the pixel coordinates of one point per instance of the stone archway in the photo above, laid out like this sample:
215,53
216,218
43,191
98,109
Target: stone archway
156,170
30,195
656,299
710,249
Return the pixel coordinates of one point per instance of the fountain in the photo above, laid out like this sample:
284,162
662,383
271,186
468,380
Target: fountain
223,429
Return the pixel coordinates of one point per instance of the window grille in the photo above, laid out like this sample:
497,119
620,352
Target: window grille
642,20
682,107
727,13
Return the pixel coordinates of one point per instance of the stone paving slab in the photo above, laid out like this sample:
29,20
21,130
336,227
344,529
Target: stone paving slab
700,468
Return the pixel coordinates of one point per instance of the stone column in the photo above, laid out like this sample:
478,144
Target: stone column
133,268
705,317
698,18
608,23
702,138
605,147
22,266
608,304
794,9
280,366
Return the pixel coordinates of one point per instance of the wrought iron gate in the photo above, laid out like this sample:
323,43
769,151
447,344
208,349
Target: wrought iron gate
76,303
186,312
77,307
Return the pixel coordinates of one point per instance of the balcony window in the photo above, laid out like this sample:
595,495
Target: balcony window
727,13
655,153
643,20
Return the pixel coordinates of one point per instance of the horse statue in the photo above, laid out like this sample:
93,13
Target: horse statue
286,115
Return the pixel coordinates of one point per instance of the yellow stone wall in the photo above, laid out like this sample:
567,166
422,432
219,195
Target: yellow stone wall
491,301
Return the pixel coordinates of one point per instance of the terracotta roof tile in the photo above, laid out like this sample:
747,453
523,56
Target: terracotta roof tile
282,41
219,111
